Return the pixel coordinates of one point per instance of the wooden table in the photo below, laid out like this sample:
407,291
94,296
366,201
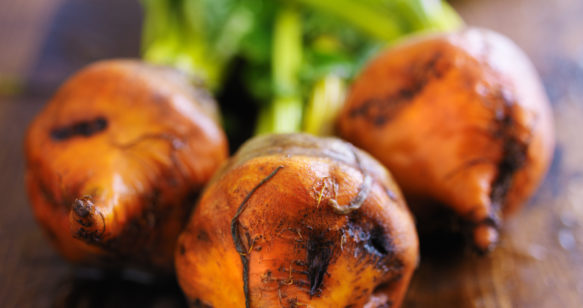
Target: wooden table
538,264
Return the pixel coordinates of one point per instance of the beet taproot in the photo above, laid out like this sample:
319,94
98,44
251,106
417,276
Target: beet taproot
116,159
296,220
462,122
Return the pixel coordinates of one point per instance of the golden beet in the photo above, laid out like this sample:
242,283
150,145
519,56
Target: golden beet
462,122
295,220
116,160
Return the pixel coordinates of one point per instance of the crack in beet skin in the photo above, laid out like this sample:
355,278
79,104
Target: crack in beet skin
236,235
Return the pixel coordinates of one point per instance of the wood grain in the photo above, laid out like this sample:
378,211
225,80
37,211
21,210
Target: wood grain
538,264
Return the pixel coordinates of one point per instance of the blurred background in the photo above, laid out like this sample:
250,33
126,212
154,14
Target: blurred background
539,263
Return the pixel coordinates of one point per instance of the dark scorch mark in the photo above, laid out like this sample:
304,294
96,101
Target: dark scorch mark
203,236
318,259
514,151
513,158
85,129
378,242
380,110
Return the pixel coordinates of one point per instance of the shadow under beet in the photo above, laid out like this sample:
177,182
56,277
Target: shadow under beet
93,288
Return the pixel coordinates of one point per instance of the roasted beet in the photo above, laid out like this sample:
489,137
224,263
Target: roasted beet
116,160
462,122
297,220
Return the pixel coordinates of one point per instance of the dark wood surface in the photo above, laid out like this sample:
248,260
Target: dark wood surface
538,264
